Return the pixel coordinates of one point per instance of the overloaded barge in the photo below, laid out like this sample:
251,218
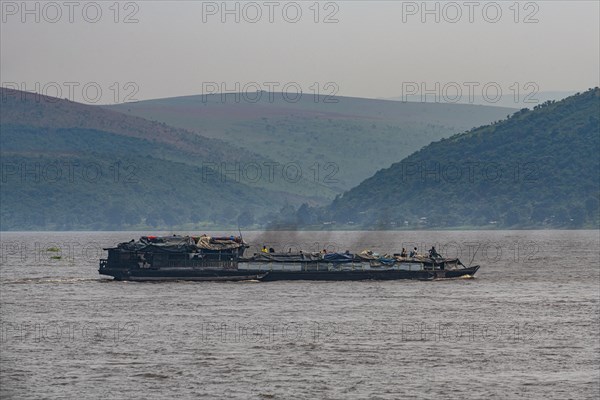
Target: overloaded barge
206,258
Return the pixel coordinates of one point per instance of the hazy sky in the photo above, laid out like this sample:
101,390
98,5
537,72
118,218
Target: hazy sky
366,48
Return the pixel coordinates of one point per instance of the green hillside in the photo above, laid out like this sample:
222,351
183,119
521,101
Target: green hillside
71,166
539,168
170,143
336,141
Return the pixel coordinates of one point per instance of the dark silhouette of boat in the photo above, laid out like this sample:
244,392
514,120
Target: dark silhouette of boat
205,258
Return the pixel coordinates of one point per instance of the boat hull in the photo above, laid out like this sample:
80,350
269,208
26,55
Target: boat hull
381,275
180,275
186,274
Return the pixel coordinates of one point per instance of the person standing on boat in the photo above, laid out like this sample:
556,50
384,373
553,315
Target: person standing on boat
433,252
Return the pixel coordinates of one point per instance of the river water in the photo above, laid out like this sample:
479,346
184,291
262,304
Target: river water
527,325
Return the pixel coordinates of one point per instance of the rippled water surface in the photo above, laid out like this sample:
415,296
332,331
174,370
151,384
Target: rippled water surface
527,326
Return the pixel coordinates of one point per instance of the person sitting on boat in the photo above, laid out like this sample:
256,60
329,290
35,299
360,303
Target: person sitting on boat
264,249
324,251
433,253
271,250
413,253
403,253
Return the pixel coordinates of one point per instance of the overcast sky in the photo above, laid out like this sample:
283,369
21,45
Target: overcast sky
364,48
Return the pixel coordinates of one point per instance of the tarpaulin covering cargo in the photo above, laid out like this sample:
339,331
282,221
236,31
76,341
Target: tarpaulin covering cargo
338,257
181,244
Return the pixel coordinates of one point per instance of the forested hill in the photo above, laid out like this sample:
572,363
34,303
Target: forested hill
538,168
70,166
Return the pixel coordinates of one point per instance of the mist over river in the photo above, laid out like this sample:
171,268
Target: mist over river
526,326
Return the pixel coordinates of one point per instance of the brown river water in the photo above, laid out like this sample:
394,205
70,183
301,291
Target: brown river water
526,326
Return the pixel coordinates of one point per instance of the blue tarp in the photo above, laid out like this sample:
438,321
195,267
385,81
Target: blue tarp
338,257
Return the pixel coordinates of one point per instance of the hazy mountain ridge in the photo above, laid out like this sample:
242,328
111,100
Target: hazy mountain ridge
35,110
72,166
338,141
152,175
